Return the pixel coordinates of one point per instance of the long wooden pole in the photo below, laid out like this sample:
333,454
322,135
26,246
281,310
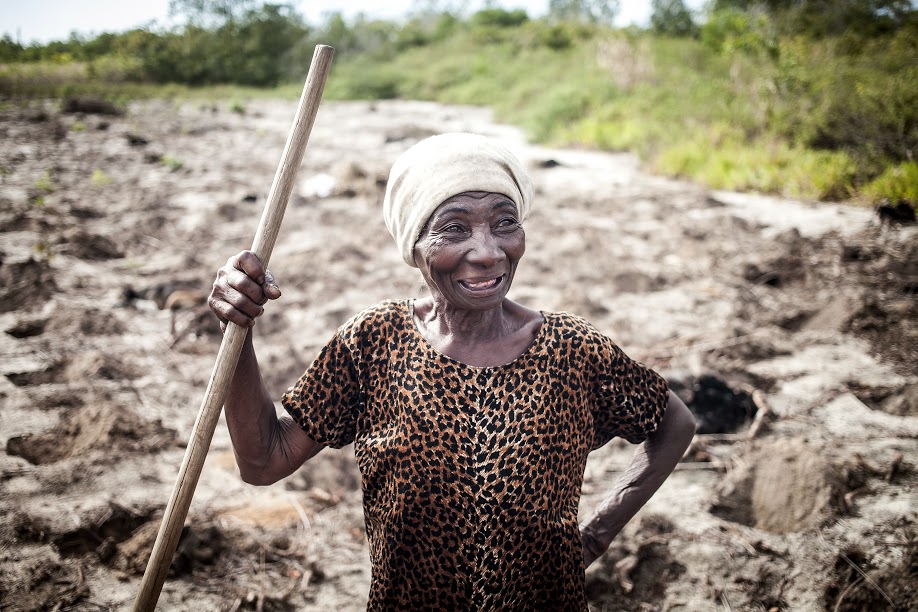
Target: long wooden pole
212,405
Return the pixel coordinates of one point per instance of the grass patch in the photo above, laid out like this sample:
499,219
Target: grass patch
237,106
896,184
44,250
771,167
174,164
44,182
99,179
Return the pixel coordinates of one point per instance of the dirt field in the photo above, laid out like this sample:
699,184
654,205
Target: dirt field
791,328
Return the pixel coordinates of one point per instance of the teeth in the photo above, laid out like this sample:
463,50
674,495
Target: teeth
483,284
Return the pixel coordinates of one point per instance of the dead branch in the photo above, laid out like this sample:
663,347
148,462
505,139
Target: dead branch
867,578
718,466
763,413
686,346
841,597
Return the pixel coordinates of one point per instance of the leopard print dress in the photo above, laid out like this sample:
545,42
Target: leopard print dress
472,475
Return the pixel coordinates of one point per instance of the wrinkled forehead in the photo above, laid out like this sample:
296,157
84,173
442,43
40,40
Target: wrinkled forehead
471,197
473,201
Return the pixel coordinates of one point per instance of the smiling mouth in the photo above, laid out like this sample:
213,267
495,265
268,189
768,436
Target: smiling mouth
482,285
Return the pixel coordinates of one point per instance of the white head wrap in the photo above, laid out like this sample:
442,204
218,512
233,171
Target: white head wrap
439,167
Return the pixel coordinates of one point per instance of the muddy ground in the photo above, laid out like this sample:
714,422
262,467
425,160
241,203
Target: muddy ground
791,327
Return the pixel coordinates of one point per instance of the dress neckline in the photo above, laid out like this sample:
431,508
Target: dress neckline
408,313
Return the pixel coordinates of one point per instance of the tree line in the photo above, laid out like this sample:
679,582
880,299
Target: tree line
244,42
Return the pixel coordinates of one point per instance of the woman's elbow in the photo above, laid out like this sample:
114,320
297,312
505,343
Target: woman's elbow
256,475
258,480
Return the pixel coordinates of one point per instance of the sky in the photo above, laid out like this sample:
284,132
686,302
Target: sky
46,20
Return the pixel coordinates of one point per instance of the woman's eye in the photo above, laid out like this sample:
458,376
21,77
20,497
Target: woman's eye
508,222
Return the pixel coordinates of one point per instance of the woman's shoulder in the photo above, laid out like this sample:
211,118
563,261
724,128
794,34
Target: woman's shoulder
573,326
377,320
583,340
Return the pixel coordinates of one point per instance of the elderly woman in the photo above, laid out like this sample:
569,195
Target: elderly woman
471,415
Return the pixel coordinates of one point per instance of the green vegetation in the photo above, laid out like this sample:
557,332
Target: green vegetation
237,106
44,250
806,98
100,179
44,183
897,183
172,163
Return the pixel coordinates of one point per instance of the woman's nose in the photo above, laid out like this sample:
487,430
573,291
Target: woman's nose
484,250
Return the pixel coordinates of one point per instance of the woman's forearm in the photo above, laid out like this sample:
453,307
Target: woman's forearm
266,448
653,461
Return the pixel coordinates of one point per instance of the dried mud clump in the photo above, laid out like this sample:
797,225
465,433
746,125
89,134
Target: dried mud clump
890,324
42,584
27,327
101,532
223,556
898,401
25,284
783,269
888,316
864,284
22,527
353,179
199,545
96,426
784,486
89,322
49,373
98,365
90,105
90,247
735,357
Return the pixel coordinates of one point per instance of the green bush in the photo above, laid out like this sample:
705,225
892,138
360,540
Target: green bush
896,184
672,18
363,81
772,167
499,18
557,109
412,34
736,31
560,36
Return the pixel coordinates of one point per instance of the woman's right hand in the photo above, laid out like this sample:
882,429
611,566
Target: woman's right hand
242,287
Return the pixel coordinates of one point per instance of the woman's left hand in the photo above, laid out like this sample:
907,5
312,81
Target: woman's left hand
591,549
653,461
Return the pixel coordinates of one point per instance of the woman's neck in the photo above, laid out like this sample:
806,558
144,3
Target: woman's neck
487,338
440,318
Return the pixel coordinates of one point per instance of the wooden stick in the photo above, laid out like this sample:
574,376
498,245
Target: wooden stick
231,347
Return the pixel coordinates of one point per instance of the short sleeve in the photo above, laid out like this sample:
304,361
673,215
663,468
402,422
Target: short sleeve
629,398
326,400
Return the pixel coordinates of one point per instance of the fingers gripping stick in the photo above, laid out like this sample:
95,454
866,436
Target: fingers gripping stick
212,404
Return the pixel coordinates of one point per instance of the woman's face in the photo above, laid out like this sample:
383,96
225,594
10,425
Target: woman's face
469,249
